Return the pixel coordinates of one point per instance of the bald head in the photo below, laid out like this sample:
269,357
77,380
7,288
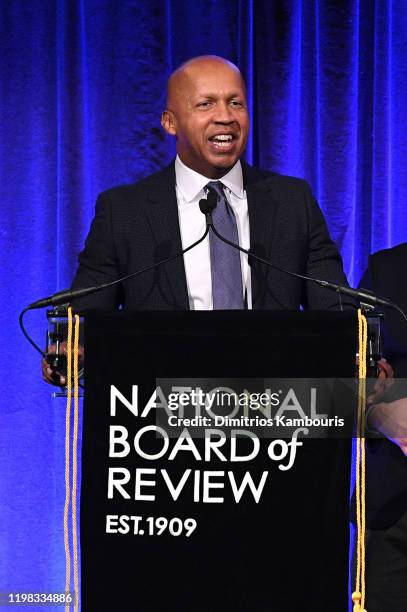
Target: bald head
207,113
189,70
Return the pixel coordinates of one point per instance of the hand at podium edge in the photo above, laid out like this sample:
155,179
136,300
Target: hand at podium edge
53,376
383,382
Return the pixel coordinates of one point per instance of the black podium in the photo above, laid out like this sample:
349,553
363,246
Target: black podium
278,543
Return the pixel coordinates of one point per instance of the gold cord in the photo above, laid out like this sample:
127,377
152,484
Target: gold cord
67,458
75,463
72,368
358,596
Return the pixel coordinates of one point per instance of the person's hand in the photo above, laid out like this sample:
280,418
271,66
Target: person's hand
52,376
383,382
390,418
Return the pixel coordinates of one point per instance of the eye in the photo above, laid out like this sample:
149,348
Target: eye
237,104
204,104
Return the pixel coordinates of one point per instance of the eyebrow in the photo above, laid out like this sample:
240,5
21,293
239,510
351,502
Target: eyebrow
214,96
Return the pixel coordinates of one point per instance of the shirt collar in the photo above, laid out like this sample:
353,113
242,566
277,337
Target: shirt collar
191,183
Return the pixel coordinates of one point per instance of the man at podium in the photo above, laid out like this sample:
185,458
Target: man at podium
274,216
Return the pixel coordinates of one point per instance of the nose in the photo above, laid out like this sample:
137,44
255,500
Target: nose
223,113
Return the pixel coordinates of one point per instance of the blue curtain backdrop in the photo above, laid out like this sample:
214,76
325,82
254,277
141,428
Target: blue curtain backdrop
82,87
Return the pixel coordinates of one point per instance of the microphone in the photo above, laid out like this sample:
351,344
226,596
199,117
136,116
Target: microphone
63,297
208,205
67,295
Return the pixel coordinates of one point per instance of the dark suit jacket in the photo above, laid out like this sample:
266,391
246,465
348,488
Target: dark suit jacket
386,465
137,225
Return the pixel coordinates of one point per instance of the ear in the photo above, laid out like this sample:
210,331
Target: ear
168,122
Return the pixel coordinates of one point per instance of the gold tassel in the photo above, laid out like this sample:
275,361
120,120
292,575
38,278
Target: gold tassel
358,596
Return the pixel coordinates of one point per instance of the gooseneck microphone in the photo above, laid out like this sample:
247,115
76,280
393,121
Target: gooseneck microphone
66,296
208,205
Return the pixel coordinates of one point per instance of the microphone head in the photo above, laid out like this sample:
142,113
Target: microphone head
207,206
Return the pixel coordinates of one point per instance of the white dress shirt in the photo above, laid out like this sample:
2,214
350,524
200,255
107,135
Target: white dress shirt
190,189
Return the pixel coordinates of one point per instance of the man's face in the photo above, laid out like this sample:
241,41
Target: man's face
208,115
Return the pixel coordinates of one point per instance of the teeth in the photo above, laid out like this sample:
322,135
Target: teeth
223,137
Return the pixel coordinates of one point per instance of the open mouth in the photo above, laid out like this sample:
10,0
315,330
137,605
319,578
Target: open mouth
222,141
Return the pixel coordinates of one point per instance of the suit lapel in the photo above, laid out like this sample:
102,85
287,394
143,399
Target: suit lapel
262,213
162,215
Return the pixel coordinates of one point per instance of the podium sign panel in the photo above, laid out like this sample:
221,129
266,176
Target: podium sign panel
221,521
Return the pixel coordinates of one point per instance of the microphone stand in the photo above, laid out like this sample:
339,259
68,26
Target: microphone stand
66,296
208,205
